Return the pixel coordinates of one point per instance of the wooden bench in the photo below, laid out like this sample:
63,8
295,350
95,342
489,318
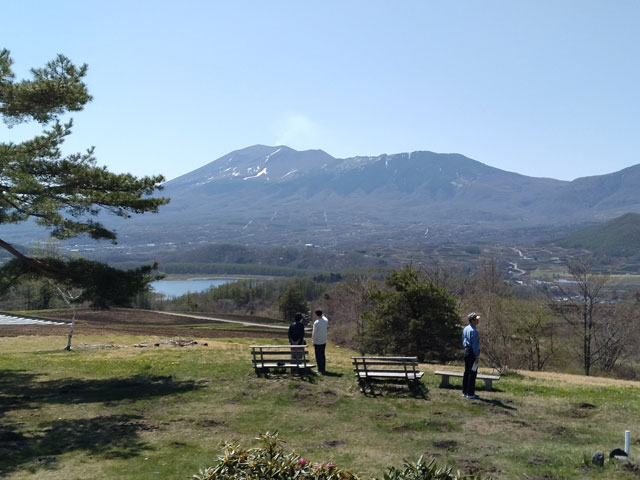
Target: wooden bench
387,368
488,379
273,357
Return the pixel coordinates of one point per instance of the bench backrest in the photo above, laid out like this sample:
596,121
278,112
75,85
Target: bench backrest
285,354
391,364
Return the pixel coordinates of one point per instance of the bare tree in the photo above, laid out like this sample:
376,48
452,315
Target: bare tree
451,278
488,295
533,331
583,307
345,303
69,295
618,335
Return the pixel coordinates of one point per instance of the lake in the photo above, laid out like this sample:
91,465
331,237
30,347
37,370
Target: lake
175,288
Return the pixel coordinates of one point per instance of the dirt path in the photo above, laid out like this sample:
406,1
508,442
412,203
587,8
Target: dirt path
238,322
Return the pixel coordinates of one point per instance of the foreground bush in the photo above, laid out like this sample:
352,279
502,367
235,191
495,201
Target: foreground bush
272,463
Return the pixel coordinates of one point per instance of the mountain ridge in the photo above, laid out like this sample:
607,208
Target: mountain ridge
275,195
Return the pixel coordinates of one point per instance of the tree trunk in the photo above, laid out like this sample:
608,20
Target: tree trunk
73,324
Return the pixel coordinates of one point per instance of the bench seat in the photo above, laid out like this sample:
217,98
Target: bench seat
388,374
488,379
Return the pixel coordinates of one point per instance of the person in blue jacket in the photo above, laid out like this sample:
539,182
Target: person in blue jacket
471,344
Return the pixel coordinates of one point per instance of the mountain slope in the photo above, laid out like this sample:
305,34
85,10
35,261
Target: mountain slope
277,195
619,237
264,195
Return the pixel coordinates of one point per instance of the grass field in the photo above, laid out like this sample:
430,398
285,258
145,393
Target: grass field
108,409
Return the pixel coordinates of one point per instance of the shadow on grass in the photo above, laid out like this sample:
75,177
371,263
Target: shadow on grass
496,403
301,374
112,436
23,390
393,388
478,390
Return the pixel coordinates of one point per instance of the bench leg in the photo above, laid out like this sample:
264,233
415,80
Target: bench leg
445,381
488,384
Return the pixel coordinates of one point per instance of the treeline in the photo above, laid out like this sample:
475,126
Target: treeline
235,269
252,297
286,257
418,311
565,326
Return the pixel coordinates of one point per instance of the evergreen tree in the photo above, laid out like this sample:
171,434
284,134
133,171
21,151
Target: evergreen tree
291,302
413,316
64,193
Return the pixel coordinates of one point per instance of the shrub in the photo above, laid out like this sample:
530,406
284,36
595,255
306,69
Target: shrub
272,463
422,470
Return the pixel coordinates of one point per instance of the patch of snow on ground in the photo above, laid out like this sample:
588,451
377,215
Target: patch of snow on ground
11,320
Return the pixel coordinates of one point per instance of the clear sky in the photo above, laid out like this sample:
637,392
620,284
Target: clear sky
547,88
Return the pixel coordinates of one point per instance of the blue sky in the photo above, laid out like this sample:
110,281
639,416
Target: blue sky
547,88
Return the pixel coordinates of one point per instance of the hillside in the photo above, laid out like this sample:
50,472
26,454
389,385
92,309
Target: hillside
619,237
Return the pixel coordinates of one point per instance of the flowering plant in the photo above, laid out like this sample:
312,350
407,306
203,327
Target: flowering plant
270,462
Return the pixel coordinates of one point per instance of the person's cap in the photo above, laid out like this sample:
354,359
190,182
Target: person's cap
473,316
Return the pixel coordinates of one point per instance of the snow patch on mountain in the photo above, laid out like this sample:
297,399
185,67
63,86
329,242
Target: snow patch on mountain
271,155
260,173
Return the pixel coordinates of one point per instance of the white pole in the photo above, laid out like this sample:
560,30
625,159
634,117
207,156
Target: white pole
627,441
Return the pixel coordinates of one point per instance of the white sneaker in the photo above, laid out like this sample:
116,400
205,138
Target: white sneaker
472,397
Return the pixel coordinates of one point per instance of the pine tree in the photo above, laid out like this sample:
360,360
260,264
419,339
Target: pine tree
291,302
413,316
63,193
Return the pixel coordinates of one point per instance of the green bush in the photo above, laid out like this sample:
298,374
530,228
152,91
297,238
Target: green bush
422,470
272,463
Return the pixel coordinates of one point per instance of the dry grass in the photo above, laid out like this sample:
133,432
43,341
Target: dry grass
545,376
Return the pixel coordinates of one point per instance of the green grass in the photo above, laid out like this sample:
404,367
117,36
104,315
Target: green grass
163,413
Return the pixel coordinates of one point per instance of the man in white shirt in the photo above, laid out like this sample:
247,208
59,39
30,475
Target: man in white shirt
319,339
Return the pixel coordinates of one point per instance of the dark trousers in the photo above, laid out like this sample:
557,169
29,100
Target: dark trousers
469,377
297,354
320,358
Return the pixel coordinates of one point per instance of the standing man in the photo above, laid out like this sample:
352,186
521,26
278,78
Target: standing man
319,339
471,344
296,336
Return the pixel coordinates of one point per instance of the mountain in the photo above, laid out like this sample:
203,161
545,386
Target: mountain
619,237
264,195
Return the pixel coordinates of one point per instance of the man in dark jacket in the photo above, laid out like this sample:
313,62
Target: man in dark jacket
296,335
